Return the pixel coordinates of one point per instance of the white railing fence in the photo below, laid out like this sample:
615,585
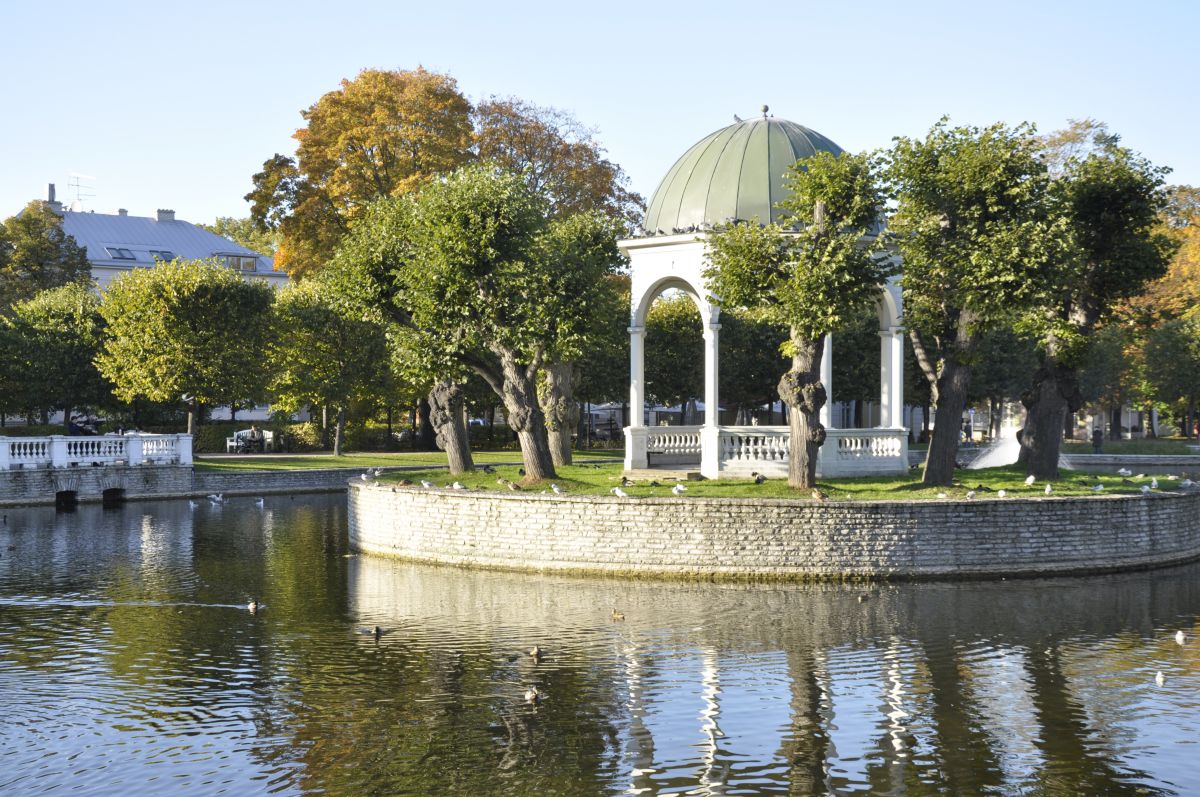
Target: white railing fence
59,451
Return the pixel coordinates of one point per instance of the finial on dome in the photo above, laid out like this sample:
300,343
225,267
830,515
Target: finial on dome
765,109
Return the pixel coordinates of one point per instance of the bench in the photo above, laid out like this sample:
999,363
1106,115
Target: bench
237,443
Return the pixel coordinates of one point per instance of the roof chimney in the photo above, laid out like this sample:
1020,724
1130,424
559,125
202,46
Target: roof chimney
166,215
51,203
122,212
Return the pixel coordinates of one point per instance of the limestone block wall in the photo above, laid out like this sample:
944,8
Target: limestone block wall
775,538
39,486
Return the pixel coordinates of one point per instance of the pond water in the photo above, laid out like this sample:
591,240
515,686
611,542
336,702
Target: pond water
130,665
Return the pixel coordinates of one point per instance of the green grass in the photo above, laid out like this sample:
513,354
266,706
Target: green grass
363,460
600,479
1161,445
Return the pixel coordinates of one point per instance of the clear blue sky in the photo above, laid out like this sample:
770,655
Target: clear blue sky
176,105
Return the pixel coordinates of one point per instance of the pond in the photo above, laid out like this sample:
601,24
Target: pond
130,665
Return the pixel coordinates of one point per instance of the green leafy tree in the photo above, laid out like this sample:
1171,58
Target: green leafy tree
1106,373
1000,371
856,366
190,331
57,335
382,134
321,354
1172,357
674,351
246,233
35,254
972,227
816,279
1111,203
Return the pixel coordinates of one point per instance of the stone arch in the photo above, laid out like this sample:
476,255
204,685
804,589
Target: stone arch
709,312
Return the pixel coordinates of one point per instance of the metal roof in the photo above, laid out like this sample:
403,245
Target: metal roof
735,173
141,235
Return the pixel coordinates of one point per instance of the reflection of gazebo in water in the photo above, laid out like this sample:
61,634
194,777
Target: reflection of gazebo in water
738,173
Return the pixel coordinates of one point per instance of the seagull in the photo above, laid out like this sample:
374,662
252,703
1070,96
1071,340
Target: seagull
457,486
252,607
970,494
426,484
192,504
619,493
1099,488
1030,479
1180,638
366,476
554,488
679,489
378,471
259,502
1159,678
1048,490
217,498
532,695
1124,472
1145,489
1187,483
617,616
1154,483
1001,493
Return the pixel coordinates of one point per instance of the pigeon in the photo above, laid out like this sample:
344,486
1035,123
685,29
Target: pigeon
818,495
1124,472
679,489
426,484
1048,490
970,494
1001,493
487,469
521,471
457,486
619,493
1154,484
759,479
1180,638
554,488
1029,480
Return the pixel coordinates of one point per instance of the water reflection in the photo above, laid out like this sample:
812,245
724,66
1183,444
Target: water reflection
128,663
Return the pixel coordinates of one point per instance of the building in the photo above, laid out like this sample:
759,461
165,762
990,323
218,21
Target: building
117,243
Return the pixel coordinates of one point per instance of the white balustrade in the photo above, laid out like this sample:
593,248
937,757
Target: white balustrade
58,451
673,445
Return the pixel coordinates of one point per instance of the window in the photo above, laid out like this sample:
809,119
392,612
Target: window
162,254
117,253
241,262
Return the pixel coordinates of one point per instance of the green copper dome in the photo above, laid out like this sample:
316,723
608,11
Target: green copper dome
734,173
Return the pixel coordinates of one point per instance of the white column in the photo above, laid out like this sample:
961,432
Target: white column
183,449
710,433
885,379
896,372
58,451
134,453
637,376
827,380
5,454
711,410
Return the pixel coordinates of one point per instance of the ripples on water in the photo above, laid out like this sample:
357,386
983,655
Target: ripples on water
130,665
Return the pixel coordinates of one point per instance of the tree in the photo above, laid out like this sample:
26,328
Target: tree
1105,376
1110,203
320,354
1000,371
1178,291
558,157
35,254
57,335
190,331
244,232
674,351
972,227
382,134
815,279
1172,357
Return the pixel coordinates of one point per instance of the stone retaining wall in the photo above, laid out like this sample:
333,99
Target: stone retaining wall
706,538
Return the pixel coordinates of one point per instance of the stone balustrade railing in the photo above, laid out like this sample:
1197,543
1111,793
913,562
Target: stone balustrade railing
60,451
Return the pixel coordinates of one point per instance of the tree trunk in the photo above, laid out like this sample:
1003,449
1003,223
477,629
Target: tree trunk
1151,427
1114,425
426,437
446,416
556,394
192,416
339,432
1046,409
67,417
1068,425
525,418
942,456
802,392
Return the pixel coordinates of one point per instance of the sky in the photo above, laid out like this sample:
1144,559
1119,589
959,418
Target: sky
172,105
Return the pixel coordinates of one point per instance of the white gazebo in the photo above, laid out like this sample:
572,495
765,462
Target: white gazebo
738,173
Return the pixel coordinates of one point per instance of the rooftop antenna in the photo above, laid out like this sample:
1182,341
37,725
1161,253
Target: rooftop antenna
82,192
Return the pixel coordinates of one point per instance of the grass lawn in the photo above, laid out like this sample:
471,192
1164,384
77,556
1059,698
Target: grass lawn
599,479
1160,445
363,460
